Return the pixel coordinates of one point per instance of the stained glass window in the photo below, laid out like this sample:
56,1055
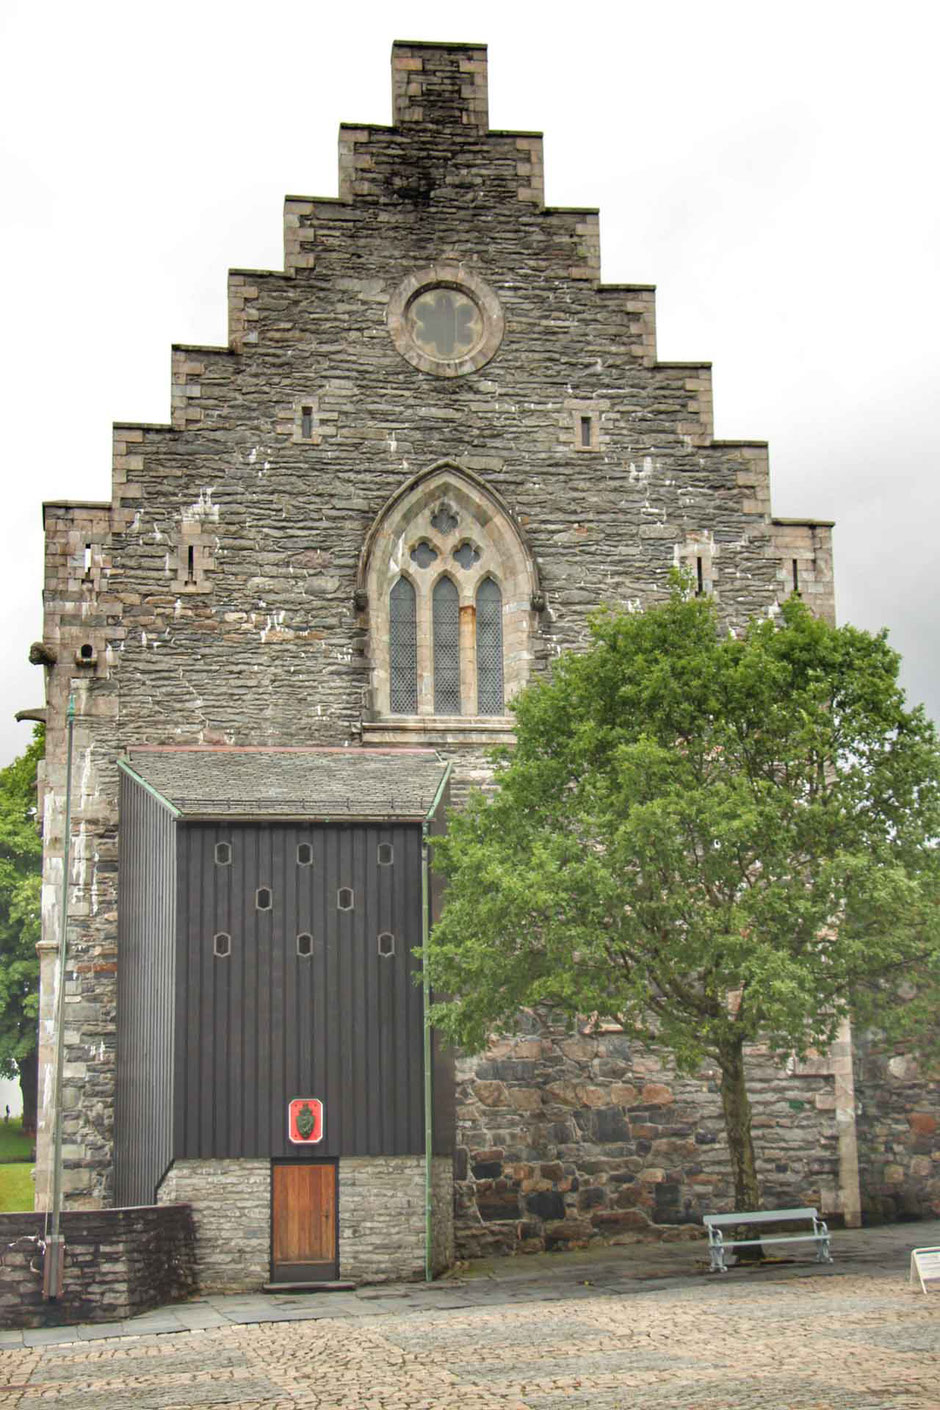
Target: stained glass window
489,648
446,613
403,649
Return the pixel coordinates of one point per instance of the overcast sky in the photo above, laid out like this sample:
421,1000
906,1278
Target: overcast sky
772,169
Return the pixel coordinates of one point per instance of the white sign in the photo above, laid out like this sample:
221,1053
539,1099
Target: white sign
926,1263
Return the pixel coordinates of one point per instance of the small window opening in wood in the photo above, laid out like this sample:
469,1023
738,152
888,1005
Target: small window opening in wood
306,422
699,577
796,576
191,564
304,945
345,898
222,945
263,898
86,651
386,944
586,431
386,854
304,854
87,567
223,853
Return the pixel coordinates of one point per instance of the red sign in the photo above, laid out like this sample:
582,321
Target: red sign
305,1121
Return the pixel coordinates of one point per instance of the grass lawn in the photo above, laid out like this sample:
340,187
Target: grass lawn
16,1187
13,1144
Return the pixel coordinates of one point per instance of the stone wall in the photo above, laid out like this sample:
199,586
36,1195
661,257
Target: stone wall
380,1202
898,1132
381,1216
231,1207
118,1262
565,1138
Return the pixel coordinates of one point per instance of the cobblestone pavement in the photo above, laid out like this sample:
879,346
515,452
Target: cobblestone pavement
818,1341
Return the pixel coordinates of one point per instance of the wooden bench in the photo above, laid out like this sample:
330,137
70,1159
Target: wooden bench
718,1244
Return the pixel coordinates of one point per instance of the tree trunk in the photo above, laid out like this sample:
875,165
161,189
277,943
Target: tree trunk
737,1111
29,1080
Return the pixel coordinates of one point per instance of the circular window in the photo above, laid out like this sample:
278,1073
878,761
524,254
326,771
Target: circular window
445,320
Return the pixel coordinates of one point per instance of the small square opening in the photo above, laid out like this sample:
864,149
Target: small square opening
304,854
223,854
345,898
222,945
386,944
305,945
263,898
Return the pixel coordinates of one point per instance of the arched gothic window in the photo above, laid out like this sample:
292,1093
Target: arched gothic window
452,591
402,649
489,649
446,631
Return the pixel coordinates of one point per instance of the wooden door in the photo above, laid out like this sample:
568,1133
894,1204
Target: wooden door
303,1222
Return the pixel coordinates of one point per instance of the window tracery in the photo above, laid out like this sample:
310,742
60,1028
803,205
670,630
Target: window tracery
451,591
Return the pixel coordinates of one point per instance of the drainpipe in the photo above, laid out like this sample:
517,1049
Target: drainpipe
426,1004
53,1260
428,1081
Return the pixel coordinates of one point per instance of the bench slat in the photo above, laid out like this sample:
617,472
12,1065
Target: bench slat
777,1239
759,1216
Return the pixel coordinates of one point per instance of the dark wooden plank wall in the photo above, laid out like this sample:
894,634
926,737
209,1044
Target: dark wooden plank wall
444,1118
143,1124
264,1025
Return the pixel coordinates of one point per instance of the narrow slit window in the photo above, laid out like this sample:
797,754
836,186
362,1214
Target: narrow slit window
87,651
221,945
386,854
586,432
191,564
87,566
306,422
263,898
345,900
699,577
403,649
446,623
796,576
304,854
223,854
489,648
304,945
386,944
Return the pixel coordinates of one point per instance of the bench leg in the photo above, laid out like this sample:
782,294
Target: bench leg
716,1252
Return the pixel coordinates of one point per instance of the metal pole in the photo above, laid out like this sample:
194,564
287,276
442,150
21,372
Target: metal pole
428,1088
52,1268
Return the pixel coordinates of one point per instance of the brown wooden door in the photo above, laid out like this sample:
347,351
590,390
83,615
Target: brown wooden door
303,1222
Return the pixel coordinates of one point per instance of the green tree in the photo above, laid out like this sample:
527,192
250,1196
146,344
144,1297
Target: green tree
716,838
20,882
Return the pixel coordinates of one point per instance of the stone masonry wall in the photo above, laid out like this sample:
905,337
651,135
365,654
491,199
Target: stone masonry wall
381,1217
568,1138
212,601
231,1205
118,1262
898,1132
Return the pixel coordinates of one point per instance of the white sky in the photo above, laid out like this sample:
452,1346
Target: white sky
773,169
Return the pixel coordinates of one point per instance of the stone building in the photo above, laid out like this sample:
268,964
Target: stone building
435,440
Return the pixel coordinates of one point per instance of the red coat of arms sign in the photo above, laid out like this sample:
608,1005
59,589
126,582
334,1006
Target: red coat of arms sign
305,1121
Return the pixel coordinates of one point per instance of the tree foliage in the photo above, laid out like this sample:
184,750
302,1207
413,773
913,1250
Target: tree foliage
20,882
717,838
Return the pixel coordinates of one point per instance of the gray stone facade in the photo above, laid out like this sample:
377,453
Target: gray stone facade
231,1205
224,596
381,1218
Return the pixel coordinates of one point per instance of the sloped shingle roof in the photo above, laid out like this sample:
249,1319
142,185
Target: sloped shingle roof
271,783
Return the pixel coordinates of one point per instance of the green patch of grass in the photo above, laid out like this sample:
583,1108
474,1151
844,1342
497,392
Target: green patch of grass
16,1187
13,1144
